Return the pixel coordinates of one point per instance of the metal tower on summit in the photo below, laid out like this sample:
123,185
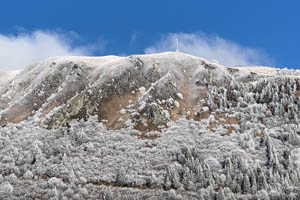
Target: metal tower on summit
177,45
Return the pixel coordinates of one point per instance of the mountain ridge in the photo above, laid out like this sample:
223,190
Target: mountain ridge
87,71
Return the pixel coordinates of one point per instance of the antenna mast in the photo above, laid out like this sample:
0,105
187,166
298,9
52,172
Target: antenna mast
177,49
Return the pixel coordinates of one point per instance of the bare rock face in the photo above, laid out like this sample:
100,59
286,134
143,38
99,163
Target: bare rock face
147,87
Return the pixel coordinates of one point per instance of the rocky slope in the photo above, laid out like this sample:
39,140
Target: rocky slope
161,126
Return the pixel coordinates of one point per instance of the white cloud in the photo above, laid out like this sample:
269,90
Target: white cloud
18,51
201,45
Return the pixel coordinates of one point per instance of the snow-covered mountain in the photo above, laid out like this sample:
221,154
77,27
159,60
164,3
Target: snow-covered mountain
160,126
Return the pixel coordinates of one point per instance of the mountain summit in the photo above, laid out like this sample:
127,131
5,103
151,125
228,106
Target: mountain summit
145,89
160,126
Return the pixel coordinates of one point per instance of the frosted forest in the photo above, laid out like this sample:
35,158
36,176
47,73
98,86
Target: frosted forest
162,126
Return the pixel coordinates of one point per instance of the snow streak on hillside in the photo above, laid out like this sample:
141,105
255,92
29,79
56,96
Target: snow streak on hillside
161,126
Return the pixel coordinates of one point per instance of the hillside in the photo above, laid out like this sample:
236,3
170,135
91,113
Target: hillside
160,126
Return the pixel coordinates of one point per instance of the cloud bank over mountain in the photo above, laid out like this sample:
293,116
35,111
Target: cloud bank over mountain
18,51
212,48
25,48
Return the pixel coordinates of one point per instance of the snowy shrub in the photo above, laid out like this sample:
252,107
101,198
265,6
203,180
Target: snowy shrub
55,183
263,195
82,180
68,193
83,193
6,189
12,178
89,147
294,139
28,175
107,195
53,194
173,196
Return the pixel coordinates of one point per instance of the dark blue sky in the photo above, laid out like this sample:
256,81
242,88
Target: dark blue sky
272,26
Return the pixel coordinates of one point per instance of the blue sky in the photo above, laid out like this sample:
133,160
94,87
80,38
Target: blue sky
256,32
